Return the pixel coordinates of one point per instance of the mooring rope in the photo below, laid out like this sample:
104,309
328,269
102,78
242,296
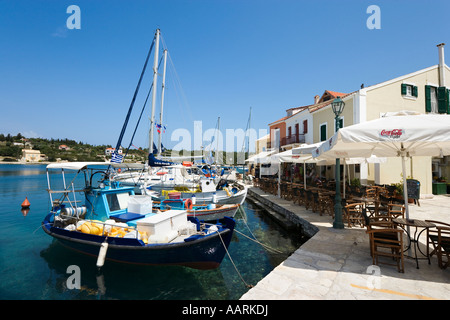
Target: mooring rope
254,237
232,262
258,242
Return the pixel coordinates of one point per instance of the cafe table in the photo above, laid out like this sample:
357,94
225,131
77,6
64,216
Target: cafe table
417,224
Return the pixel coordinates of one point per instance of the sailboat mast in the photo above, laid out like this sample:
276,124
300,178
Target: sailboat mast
162,102
155,80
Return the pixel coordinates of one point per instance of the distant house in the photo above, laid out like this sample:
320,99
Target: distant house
63,147
29,155
110,151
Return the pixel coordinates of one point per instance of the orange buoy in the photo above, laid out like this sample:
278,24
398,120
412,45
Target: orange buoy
26,203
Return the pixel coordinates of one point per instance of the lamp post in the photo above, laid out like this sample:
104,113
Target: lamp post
338,106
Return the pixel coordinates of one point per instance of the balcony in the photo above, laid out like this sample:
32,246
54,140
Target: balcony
300,138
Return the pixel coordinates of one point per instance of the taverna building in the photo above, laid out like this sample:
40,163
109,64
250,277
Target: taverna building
423,91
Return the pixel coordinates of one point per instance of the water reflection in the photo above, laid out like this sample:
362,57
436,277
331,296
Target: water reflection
124,281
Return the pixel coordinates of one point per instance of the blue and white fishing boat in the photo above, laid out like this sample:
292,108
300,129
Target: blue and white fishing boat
110,222
206,212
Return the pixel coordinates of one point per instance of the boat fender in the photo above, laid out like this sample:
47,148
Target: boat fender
102,254
188,204
70,227
212,229
228,192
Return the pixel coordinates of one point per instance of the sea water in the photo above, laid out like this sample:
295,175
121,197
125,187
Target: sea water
35,266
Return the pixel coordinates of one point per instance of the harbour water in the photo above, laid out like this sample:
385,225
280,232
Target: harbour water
34,266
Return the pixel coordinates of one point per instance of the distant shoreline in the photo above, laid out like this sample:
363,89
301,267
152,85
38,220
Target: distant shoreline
11,162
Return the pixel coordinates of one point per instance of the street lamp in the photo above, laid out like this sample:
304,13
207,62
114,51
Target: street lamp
338,106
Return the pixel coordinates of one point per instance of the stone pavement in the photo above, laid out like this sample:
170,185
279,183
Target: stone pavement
336,263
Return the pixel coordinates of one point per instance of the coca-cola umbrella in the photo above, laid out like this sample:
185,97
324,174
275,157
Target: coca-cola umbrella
401,134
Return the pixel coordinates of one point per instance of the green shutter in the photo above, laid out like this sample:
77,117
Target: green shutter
403,89
427,99
323,132
442,100
414,91
447,91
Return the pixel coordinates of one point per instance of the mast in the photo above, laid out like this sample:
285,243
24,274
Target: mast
155,80
162,102
216,158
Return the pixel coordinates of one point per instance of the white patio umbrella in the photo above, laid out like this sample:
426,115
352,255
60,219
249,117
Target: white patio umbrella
398,135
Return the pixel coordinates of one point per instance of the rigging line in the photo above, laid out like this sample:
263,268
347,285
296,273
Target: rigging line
176,81
247,129
119,142
140,116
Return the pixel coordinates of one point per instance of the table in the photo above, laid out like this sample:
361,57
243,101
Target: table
415,240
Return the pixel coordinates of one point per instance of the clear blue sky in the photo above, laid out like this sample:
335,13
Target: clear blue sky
270,55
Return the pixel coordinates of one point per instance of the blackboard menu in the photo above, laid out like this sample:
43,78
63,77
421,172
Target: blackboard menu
413,188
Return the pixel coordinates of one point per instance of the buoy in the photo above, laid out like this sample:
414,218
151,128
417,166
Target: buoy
25,203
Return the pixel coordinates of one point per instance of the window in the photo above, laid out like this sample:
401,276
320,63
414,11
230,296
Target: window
305,126
323,132
341,123
409,90
289,131
117,201
437,99
276,139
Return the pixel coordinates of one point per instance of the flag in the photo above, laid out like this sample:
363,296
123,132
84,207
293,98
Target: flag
116,158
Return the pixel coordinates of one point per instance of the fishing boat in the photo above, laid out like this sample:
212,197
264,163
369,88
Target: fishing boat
206,212
179,179
111,222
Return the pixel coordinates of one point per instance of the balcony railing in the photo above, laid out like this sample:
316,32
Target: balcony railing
300,138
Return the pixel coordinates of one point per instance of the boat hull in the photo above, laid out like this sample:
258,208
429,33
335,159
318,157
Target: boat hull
221,197
214,214
203,253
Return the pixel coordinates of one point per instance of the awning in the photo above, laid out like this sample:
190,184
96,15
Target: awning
260,157
75,165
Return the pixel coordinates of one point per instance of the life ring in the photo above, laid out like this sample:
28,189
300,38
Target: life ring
188,204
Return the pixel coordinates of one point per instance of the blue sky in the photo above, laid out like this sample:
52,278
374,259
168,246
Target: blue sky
270,55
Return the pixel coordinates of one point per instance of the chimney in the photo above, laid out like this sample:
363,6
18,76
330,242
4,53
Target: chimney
316,99
441,65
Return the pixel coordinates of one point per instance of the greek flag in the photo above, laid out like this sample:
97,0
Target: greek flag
116,158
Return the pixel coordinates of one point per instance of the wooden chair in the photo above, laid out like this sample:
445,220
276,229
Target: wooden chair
396,210
309,200
387,242
353,214
326,204
371,192
295,194
301,197
439,237
383,207
283,190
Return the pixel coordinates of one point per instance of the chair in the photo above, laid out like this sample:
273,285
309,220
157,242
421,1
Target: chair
326,204
301,197
387,243
353,214
396,210
371,192
309,200
439,237
383,206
